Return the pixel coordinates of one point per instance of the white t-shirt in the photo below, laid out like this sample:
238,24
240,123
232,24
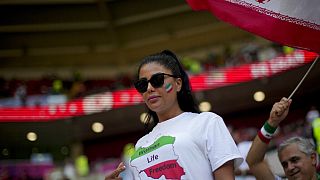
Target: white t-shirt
188,146
244,148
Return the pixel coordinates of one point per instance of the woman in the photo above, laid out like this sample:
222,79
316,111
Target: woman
183,144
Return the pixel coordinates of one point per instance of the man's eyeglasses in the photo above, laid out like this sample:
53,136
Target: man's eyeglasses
156,80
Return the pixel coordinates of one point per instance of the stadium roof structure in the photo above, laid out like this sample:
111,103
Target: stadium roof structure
102,38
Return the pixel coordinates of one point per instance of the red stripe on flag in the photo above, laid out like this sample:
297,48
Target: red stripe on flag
280,31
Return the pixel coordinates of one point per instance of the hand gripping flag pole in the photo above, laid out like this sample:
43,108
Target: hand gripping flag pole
305,75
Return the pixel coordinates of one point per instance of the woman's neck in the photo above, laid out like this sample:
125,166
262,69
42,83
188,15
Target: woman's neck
168,115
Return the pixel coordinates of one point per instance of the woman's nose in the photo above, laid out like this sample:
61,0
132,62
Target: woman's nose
150,87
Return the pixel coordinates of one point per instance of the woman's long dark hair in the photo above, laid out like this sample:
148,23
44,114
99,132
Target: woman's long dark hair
186,101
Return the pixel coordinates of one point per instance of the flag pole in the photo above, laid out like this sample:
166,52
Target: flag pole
314,62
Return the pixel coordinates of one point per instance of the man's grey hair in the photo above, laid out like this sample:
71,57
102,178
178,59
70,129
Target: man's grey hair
304,145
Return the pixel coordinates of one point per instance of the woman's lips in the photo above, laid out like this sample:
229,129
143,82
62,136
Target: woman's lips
153,98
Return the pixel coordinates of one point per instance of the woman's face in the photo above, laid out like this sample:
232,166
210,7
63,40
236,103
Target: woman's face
162,99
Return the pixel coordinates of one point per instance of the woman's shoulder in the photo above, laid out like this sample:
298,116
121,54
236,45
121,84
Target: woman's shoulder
205,118
202,114
208,115
141,140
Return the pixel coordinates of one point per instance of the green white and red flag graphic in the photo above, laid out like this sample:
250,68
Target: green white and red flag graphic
158,160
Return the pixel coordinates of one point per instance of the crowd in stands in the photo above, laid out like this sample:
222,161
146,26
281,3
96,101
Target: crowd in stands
79,86
54,85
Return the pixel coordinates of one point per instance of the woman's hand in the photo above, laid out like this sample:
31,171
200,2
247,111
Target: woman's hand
115,174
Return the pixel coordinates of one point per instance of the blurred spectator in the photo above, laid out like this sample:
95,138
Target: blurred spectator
316,133
4,88
77,90
312,114
228,56
82,165
267,53
243,171
69,171
128,151
4,174
287,50
21,93
235,134
213,60
193,66
249,53
57,87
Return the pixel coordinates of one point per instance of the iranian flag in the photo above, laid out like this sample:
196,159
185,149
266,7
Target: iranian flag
294,23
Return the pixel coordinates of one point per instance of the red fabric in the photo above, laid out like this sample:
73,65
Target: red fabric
269,27
262,138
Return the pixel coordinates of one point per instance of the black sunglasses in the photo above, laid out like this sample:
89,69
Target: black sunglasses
156,81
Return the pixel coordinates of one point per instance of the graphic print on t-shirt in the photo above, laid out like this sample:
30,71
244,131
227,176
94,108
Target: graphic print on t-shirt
158,159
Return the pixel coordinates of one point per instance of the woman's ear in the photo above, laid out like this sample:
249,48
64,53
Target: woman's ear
179,84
